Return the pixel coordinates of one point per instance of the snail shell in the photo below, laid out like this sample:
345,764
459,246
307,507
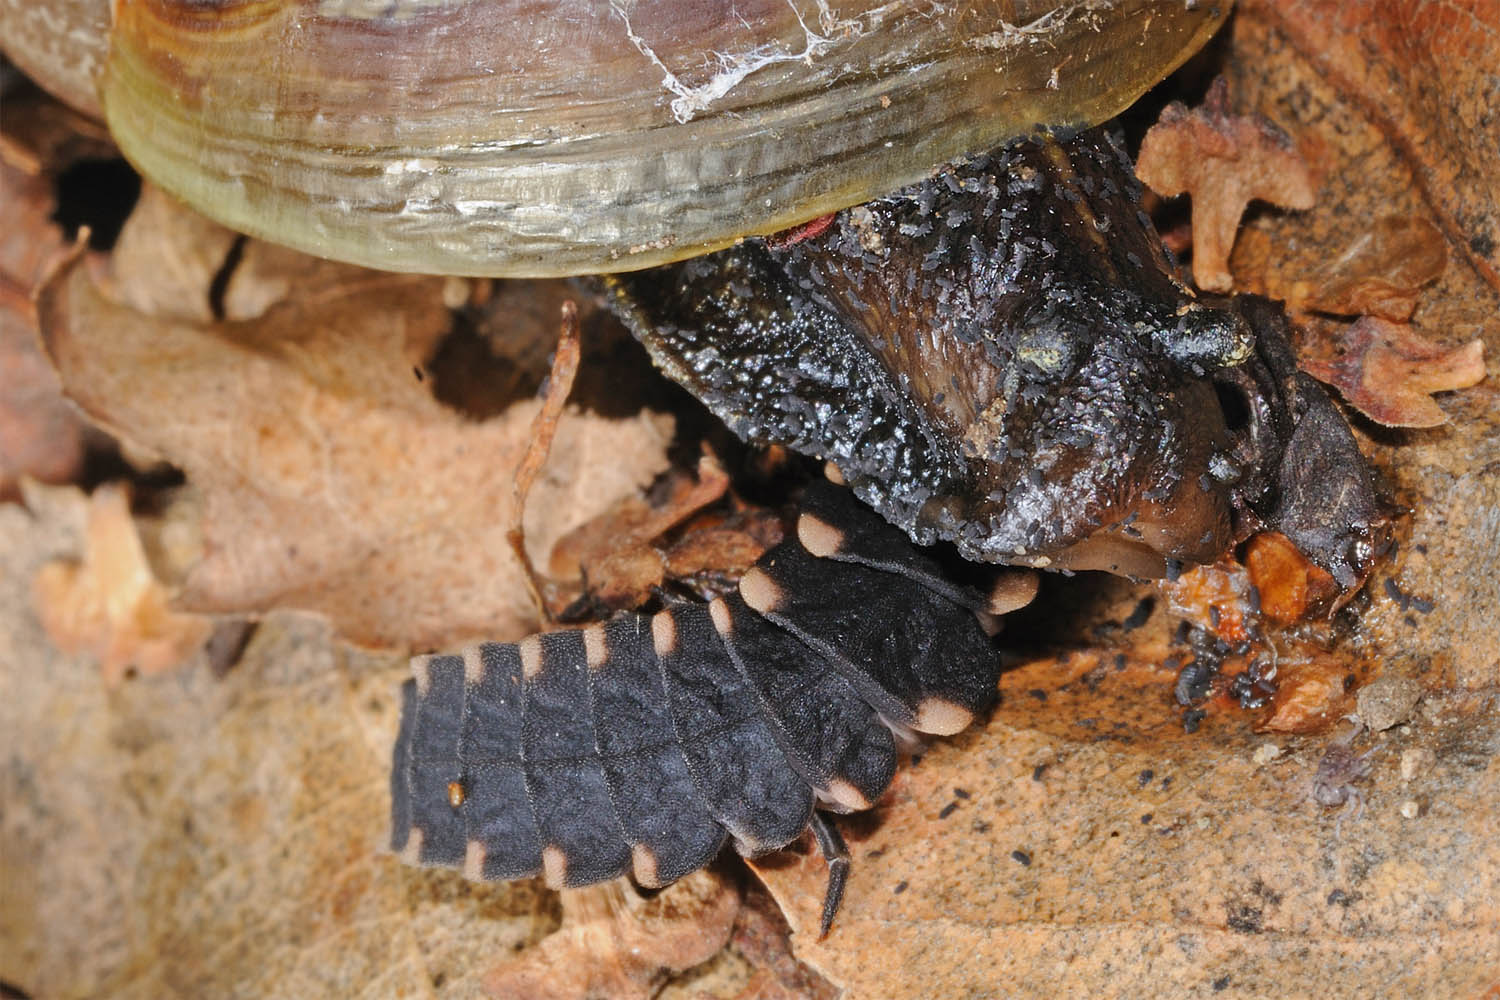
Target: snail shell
551,137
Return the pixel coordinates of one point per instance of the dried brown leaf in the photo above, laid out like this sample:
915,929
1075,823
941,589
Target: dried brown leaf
165,260
1085,846
110,604
1388,372
1381,273
40,434
194,835
729,550
635,521
614,943
1424,73
614,553
1224,161
334,482
760,938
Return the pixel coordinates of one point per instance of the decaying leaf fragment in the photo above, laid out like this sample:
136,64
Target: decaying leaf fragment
1081,844
1424,74
1291,588
1224,161
40,434
1312,691
614,943
614,554
1216,598
111,604
1388,372
332,480
1379,274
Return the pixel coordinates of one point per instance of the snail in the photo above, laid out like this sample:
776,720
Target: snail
583,137
991,344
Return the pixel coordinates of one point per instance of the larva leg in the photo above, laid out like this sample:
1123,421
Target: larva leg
503,838
836,853
829,734
582,842
732,754
665,821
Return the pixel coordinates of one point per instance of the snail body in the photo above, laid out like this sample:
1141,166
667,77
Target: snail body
1000,357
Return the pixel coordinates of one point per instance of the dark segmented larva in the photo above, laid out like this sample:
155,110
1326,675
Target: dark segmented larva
641,744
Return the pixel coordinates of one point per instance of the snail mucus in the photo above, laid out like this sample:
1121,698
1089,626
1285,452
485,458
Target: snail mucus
998,355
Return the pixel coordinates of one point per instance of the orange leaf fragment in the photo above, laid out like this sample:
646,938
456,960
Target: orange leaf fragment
1216,598
1291,588
112,605
1309,695
1224,161
1388,372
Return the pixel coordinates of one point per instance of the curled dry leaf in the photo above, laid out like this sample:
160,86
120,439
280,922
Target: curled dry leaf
726,547
614,943
333,481
1379,274
40,434
1224,161
614,553
760,938
111,604
1388,372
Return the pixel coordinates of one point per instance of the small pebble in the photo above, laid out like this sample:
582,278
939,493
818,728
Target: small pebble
1387,701
1265,753
1411,809
1416,761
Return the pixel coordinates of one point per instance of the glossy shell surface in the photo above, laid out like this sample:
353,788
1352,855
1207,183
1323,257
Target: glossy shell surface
520,137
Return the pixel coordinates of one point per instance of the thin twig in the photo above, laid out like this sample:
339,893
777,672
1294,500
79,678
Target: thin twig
543,429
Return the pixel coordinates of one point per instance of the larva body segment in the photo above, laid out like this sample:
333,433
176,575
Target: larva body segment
641,744
670,830
834,740
564,777
736,763
436,761
498,813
